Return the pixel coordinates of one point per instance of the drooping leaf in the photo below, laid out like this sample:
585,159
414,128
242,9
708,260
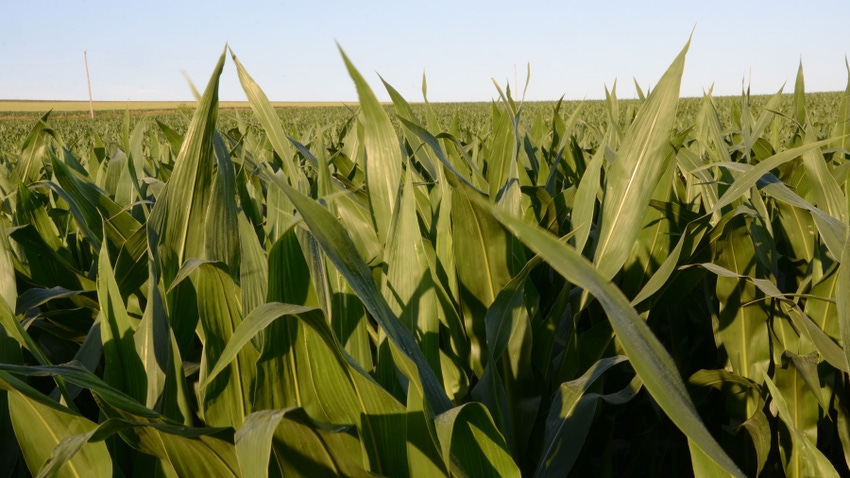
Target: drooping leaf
301,446
648,357
40,424
470,442
805,459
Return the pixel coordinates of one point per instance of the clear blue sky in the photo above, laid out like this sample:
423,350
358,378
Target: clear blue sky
139,50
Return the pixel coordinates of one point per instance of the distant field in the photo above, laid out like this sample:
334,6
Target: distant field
30,106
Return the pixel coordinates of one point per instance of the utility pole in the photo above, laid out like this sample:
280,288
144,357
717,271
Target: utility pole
88,81
516,85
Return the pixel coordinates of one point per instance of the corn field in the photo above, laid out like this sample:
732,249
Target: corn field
405,293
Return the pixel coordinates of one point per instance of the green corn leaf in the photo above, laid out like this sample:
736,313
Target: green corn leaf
48,267
131,264
571,416
468,436
829,350
312,372
221,237
254,267
653,243
482,252
805,459
843,425
582,214
434,143
31,161
174,139
798,226
501,316
32,210
347,315
70,445
741,394
253,324
157,348
423,449
123,369
639,90
828,194
766,116
254,442
648,357
180,214
10,345
225,400
276,365
267,117
302,446
806,367
640,160
12,328
800,98
744,182
383,154
743,327
831,230
188,451
408,287
40,424
821,305
405,111
8,287
341,251
694,232
842,302
502,162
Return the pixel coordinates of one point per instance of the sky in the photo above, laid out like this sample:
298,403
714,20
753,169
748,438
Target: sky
145,50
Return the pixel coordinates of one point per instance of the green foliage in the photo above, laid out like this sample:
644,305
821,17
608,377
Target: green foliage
624,288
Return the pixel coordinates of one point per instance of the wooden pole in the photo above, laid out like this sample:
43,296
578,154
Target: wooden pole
516,85
88,81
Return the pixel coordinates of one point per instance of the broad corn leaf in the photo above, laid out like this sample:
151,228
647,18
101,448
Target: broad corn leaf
743,326
471,442
179,217
383,154
252,325
341,251
482,253
408,286
225,400
124,369
640,160
41,424
569,420
648,357
805,459
301,446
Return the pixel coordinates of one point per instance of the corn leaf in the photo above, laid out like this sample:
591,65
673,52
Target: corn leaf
650,360
805,459
383,154
640,161
40,424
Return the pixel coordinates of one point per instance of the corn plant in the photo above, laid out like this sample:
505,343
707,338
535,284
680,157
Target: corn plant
649,292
